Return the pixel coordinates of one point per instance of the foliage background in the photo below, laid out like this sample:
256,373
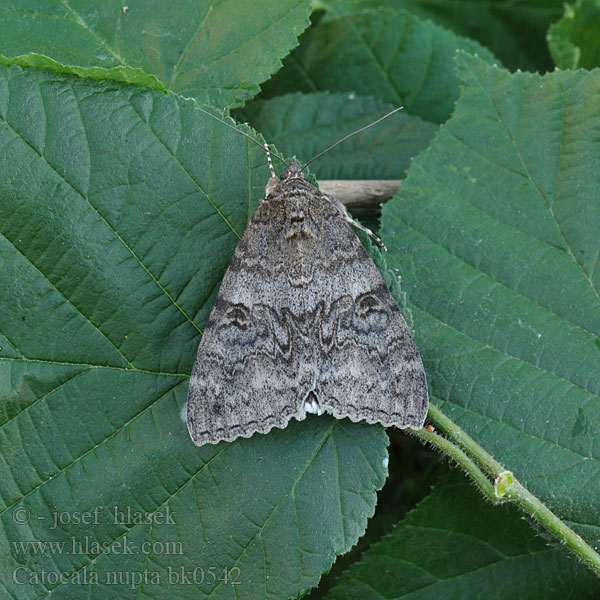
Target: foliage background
121,205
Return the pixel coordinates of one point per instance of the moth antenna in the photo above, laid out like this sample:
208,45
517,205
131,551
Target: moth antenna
351,134
270,161
263,146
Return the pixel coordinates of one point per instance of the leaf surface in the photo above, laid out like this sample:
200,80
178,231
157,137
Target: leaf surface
201,49
120,209
306,124
392,55
495,233
453,545
514,30
574,40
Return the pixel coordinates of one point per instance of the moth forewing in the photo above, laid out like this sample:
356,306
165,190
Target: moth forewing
303,322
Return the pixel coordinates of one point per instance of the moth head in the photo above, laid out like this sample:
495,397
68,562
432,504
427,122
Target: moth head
294,171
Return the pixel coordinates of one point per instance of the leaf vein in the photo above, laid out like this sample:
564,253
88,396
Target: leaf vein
92,366
79,458
100,40
534,436
282,501
538,188
36,400
376,60
184,53
68,301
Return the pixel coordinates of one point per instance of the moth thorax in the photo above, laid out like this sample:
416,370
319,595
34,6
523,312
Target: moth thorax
294,171
297,220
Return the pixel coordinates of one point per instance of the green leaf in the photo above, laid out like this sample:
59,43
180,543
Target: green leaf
120,208
514,30
306,124
455,546
120,74
201,49
574,41
495,233
392,55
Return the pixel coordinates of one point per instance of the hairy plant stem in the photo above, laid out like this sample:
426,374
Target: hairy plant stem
486,471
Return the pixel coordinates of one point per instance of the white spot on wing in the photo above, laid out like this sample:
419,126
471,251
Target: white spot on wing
312,407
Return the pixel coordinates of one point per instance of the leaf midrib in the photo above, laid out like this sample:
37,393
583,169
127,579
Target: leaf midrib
217,59
442,580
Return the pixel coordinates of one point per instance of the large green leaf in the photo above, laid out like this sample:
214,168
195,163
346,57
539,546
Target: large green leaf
201,49
392,55
514,30
119,211
306,124
453,545
496,237
574,41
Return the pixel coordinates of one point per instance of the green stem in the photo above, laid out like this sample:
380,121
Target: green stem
454,432
483,468
541,513
454,452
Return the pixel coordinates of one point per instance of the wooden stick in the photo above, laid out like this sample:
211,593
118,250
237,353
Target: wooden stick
360,192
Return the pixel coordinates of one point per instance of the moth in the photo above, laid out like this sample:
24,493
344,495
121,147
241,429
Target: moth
303,323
